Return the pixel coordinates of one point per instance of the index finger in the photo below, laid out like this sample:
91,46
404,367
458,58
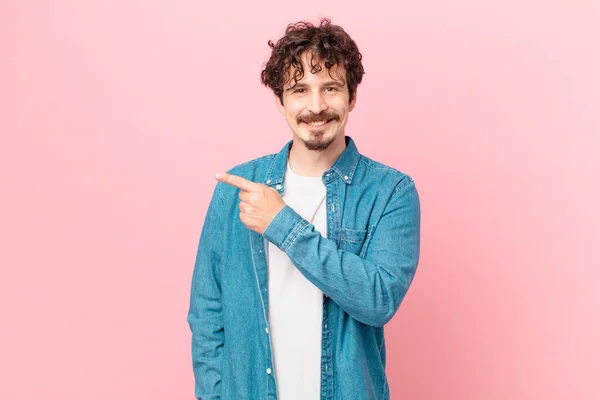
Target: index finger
236,181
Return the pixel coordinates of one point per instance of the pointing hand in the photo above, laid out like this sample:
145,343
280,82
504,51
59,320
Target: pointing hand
259,203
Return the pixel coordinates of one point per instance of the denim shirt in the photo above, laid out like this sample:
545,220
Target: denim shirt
364,268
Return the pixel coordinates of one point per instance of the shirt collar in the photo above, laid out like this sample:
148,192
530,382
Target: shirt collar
344,166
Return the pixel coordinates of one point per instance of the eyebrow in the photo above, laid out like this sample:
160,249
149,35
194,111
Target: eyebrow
326,84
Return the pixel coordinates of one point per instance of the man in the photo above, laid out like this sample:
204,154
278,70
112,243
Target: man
304,254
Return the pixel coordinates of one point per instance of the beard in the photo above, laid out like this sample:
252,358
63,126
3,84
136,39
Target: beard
317,141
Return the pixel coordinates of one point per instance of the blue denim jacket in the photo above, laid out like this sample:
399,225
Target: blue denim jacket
363,267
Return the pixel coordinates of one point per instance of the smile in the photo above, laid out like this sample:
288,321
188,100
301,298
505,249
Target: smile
317,124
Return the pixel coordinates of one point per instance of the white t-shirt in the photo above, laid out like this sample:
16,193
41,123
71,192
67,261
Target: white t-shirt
295,304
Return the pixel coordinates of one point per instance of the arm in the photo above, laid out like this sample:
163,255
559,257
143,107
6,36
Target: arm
205,315
370,289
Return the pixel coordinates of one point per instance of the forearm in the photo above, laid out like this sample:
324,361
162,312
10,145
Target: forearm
207,354
205,315
369,289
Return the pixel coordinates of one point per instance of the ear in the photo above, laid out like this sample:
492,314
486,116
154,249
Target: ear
280,106
353,102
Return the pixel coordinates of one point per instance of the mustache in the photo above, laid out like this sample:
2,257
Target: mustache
318,117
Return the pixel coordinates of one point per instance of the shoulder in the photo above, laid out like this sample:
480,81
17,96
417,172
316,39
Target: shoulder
251,166
380,172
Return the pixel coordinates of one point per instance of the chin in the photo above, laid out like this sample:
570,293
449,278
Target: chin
318,142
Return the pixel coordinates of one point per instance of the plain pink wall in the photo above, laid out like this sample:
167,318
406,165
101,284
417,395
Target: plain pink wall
115,115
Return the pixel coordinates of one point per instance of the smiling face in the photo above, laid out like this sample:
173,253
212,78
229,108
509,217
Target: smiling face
317,106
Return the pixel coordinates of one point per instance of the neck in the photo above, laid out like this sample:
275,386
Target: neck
311,162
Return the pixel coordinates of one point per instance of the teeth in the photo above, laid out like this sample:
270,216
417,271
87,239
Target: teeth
317,123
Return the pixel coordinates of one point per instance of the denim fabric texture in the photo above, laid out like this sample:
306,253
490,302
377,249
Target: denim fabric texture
364,268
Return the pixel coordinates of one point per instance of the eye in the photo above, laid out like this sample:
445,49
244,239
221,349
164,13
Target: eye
331,89
298,91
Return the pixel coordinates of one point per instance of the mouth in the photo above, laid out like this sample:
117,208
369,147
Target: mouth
317,124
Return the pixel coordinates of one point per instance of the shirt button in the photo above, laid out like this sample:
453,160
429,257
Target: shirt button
268,181
278,187
269,371
325,326
267,330
346,177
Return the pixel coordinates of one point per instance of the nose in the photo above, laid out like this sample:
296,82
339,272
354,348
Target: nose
317,104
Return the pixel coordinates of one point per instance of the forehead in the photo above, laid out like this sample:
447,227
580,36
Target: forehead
337,72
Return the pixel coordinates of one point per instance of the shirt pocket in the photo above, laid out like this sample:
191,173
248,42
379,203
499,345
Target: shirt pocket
353,240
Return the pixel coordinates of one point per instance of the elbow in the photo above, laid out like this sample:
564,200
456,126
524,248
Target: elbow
390,299
378,316
382,317
383,311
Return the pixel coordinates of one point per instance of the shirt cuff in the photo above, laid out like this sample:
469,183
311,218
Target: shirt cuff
285,227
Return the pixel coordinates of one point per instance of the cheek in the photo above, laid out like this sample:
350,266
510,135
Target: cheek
293,107
292,114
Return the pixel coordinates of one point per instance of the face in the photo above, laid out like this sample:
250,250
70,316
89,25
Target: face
317,107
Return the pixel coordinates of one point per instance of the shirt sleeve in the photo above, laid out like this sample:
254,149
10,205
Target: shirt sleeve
205,316
369,289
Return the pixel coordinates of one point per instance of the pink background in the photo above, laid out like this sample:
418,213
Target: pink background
115,115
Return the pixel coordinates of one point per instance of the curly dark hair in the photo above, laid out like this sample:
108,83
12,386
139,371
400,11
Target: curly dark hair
326,43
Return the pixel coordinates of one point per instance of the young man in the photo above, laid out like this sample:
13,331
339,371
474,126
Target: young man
305,254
